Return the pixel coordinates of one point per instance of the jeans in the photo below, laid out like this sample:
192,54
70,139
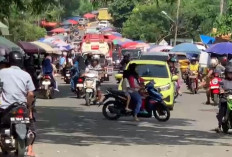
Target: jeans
137,100
74,82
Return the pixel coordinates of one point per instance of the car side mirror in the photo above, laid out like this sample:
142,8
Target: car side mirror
175,78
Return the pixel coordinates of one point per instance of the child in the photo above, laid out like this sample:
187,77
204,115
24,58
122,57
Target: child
126,88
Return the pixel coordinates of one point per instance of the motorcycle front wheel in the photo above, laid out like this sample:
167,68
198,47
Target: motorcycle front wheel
109,109
88,99
162,113
216,99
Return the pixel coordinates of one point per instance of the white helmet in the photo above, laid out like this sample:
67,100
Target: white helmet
213,62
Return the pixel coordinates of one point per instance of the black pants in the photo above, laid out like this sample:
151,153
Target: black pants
222,112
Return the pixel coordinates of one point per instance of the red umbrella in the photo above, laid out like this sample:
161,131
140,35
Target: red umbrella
89,16
73,22
129,44
58,30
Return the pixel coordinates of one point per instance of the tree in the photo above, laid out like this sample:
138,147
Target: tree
147,23
121,10
223,23
85,7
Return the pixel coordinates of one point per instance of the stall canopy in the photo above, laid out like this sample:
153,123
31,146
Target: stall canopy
160,49
4,29
58,30
9,46
30,48
186,47
69,22
221,48
89,16
44,46
207,39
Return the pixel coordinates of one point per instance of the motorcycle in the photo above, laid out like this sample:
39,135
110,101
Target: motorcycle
90,86
215,88
15,134
227,120
67,77
47,89
193,82
115,102
80,87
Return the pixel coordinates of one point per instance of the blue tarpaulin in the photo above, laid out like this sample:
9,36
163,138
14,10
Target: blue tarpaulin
207,39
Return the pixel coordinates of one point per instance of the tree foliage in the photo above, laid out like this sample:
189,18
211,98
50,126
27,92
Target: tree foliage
147,23
121,10
224,23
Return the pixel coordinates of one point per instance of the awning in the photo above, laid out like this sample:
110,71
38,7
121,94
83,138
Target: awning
30,48
9,46
207,39
44,46
89,16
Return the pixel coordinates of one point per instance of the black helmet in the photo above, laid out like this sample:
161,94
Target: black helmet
16,58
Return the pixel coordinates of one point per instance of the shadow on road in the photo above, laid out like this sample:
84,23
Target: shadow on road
71,126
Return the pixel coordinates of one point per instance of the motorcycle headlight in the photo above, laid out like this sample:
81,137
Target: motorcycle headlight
166,87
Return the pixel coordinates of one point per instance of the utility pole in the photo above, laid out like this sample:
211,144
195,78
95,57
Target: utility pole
177,21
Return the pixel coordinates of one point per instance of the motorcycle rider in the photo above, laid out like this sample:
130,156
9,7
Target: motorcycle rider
95,66
47,69
214,65
225,85
135,86
174,71
193,69
18,87
125,61
126,88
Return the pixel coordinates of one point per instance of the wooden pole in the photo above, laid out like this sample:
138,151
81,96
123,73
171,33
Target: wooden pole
177,21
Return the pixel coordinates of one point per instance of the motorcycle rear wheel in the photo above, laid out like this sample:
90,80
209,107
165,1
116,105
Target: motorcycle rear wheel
157,115
21,148
105,113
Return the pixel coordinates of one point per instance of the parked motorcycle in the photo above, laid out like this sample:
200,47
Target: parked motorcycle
227,120
90,86
215,88
47,89
80,87
115,102
14,129
67,77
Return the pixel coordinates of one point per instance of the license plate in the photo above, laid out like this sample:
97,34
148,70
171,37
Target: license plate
67,74
46,83
88,90
80,85
19,120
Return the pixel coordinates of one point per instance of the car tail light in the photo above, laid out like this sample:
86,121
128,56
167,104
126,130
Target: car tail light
80,80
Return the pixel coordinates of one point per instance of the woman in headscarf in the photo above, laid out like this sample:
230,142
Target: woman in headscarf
47,69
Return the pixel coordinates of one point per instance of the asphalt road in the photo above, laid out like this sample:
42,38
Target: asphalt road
66,127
